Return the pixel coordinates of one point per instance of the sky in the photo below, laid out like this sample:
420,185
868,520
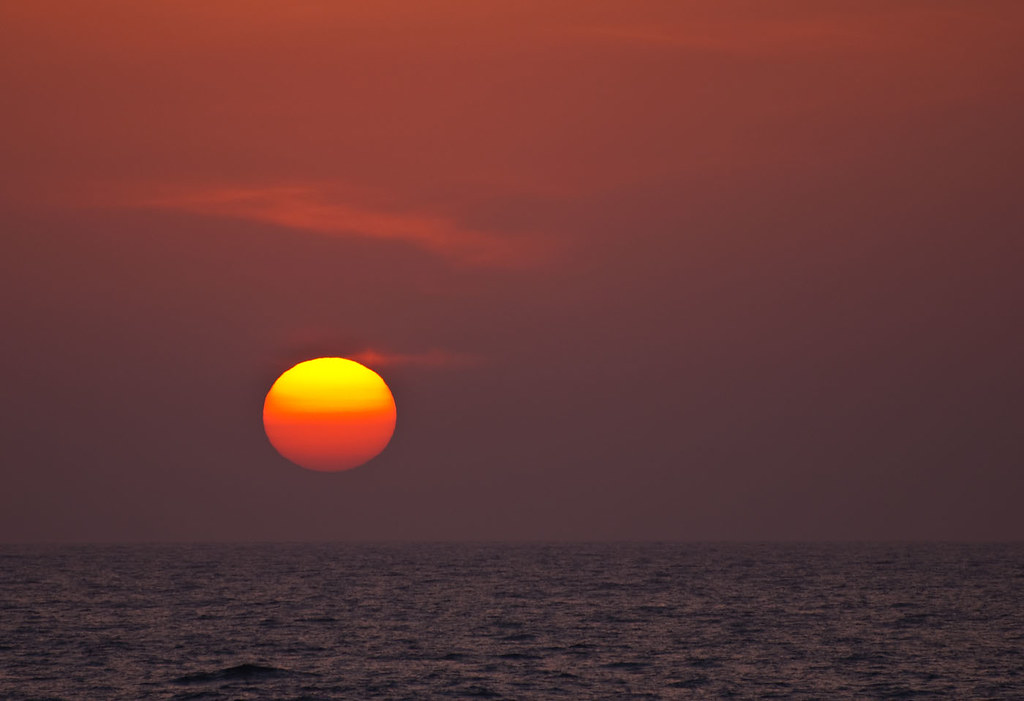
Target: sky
681,270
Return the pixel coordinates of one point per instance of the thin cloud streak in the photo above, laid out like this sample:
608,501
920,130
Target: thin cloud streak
431,359
784,37
882,27
317,209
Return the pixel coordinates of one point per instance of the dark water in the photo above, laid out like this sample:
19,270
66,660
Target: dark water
533,621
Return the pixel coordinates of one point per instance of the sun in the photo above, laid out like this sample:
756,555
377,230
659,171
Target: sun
329,414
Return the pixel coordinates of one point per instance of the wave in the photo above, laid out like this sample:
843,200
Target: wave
243,671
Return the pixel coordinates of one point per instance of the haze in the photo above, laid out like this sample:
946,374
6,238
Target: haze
661,270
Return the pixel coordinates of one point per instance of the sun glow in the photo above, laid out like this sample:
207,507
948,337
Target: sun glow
329,414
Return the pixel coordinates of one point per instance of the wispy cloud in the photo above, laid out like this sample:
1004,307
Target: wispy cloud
433,358
321,209
791,35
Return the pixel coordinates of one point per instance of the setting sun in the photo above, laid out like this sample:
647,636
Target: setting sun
329,414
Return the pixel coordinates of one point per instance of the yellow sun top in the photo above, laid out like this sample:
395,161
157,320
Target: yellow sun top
329,385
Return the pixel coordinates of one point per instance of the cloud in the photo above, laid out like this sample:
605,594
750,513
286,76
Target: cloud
320,209
433,359
871,29
731,38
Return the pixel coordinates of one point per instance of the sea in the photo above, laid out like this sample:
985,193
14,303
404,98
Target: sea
512,621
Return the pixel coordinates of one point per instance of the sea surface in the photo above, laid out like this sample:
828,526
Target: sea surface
601,621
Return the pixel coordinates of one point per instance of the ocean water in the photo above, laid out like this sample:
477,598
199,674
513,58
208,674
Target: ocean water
612,621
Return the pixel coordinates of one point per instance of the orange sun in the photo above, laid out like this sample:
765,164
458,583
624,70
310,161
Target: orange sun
329,414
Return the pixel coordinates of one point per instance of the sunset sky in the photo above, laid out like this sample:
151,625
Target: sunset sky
680,270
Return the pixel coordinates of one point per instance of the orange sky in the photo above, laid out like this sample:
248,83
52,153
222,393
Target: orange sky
428,105
658,270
